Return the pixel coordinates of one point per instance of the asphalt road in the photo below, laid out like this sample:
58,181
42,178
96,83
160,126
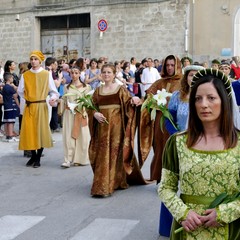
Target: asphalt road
51,203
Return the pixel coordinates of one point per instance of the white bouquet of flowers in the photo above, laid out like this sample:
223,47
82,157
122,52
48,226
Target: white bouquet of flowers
84,101
158,102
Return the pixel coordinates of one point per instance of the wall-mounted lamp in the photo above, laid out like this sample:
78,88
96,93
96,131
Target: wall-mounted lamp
225,9
17,17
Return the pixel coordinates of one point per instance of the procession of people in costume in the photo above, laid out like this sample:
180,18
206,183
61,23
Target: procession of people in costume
200,158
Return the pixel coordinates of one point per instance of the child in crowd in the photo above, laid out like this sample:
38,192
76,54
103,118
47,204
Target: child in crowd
130,88
11,106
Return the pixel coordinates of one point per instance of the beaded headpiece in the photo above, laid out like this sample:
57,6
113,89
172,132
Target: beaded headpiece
215,73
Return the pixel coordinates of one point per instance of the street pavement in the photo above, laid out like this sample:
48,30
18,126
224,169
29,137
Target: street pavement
51,203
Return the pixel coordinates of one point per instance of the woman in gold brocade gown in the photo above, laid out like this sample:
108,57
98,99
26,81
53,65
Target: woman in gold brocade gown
112,132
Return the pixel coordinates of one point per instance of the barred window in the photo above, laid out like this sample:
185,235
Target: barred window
66,21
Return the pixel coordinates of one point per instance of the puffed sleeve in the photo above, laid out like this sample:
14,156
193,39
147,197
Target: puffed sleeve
172,107
168,186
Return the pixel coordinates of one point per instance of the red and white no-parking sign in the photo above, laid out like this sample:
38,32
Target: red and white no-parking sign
102,25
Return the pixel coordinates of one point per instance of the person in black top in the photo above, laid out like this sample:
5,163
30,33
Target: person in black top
10,67
138,75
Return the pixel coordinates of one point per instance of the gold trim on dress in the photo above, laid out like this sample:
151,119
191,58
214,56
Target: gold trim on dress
109,106
109,93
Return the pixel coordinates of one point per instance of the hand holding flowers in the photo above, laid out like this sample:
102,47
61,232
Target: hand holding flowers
72,107
158,102
81,102
85,102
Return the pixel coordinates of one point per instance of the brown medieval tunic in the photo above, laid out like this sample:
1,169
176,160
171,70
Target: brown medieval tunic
150,133
111,148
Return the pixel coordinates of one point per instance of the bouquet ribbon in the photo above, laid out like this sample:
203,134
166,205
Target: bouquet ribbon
79,121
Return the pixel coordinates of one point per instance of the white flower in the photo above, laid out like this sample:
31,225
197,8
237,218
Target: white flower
161,97
72,107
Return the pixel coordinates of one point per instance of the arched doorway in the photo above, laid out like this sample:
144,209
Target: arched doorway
237,34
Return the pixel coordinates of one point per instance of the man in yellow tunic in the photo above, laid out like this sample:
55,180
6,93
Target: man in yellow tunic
34,87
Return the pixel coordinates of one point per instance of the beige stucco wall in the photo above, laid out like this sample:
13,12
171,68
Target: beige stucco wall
212,28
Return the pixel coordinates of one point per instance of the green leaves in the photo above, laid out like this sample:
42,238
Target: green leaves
153,114
86,101
144,105
155,103
223,198
69,94
218,200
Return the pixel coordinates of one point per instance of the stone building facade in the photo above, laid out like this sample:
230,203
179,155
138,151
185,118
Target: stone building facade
201,29
135,28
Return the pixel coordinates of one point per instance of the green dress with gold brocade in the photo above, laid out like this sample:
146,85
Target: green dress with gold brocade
201,177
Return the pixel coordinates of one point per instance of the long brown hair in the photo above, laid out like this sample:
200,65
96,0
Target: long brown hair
80,64
195,127
185,88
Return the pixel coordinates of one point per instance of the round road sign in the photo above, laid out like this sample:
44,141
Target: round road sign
102,25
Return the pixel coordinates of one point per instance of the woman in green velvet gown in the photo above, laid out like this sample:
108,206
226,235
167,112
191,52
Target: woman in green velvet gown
204,162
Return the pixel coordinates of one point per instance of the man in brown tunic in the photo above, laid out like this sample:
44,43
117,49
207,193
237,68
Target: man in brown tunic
149,131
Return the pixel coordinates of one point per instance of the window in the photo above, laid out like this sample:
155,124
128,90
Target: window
66,21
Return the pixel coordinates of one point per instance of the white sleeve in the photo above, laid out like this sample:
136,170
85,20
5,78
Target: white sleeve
20,89
143,78
54,94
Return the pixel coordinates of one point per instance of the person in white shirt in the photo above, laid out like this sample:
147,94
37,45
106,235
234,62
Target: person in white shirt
149,76
133,62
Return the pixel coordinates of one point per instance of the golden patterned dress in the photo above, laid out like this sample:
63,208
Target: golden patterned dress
202,176
76,135
34,87
111,147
